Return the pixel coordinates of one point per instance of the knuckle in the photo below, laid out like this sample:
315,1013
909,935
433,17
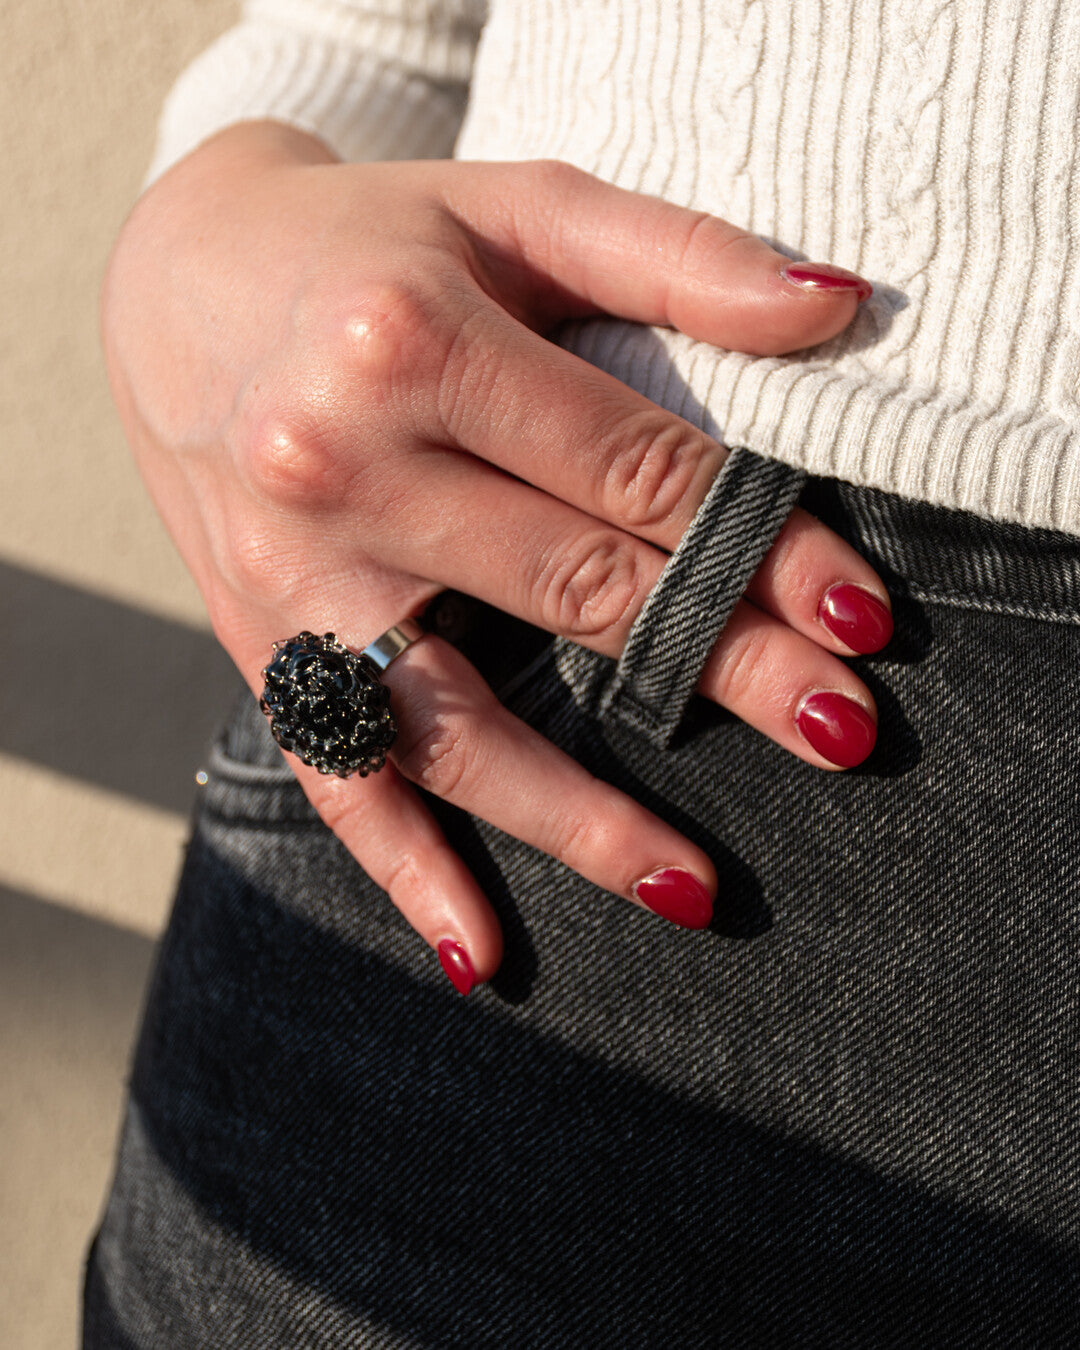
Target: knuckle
402,878
439,758
554,176
705,236
740,671
793,578
792,567
388,334
288,464
345,812
339,807
708,243
573,838
655,470
592,593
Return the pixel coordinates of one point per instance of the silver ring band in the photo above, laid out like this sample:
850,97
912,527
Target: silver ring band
389,645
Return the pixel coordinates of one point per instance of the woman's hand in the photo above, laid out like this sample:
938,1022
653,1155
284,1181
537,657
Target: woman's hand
334,382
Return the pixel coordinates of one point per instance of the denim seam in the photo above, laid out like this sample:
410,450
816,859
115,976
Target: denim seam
955,601
524,677
215,815
225,768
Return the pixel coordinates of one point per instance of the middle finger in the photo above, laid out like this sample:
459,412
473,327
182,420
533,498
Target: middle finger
529,554
541,413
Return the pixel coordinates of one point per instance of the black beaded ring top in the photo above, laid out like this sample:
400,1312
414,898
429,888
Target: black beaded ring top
328,705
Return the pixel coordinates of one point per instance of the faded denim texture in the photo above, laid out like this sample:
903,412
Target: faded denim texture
844,1116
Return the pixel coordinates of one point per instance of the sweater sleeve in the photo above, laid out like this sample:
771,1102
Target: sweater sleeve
374,79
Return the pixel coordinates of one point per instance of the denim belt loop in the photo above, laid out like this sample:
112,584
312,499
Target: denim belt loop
688,607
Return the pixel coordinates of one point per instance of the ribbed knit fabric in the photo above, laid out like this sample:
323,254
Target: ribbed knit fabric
374,79
928,144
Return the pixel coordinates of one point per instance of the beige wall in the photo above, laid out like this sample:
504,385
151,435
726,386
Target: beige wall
109,681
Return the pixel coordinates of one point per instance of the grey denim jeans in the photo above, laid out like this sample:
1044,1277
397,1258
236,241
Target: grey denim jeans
846,1115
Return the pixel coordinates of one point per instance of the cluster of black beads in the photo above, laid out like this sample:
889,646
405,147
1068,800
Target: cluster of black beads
327,705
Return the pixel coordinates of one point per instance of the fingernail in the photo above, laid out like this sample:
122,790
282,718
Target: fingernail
676,895
454,959
838,728
826,277
856,617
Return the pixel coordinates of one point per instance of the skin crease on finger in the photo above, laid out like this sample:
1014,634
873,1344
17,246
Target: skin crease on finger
276,429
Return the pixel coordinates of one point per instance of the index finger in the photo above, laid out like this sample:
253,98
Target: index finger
579,245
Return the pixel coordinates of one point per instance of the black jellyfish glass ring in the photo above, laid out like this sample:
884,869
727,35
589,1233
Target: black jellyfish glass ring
328,705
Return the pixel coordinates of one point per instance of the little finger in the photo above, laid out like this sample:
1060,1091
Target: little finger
384,824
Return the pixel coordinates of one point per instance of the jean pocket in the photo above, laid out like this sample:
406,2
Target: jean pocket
245,777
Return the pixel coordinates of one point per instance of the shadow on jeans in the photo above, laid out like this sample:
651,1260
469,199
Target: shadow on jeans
446,1174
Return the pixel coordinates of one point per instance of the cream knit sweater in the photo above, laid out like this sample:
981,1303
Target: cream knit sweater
928,144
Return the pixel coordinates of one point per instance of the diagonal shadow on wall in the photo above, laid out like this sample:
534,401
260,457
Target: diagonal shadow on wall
105,692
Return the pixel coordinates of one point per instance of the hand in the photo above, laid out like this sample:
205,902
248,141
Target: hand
334,380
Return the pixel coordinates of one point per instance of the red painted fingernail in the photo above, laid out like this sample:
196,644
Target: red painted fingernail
838,728
676,895
454,959
826,277
856,617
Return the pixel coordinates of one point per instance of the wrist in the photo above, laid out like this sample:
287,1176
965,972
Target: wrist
266,141
211,173
174,224
245,147
238,149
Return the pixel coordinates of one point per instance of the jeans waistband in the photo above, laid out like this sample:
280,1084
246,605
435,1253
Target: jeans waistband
938,554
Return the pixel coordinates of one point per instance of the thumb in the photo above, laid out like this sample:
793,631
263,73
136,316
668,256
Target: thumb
578,245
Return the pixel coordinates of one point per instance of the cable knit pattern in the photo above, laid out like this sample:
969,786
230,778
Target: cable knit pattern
930,144
727,141
903,207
